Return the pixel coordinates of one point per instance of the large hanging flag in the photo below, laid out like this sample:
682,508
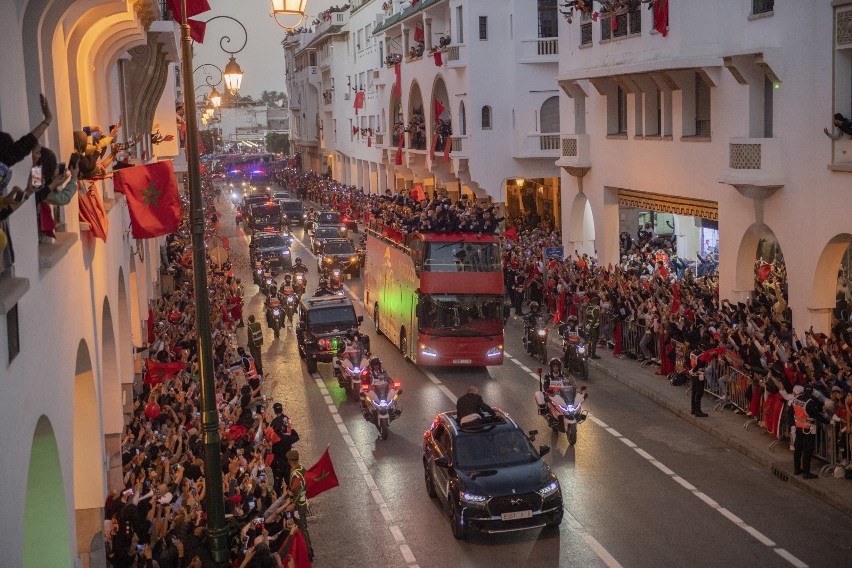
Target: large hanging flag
418,33
397,87
321,476
439,110
661,16
152,196
359,101
159,372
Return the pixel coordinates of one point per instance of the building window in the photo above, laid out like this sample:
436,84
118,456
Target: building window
460,25
483,27
462,119
549,116
702,107
548,19
762,6
621,98
486,118
14,340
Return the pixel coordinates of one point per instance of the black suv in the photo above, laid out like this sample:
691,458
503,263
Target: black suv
490,478
322,321
293,210
272,247
343,252
322,233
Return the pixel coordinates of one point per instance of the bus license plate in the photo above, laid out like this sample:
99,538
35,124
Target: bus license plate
516,515
462,361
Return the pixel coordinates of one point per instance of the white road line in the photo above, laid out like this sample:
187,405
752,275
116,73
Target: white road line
448,392
790,558
432,376
602,552
662,467
684,483
627,442
704,497
758,535
643,453
369,480
614,432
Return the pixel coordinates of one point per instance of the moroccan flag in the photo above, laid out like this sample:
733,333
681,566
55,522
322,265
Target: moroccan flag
92,211
193,8
661,16
369,141
439,110
397,87
434,145
197,29
511,233
399,149
321,477
359,101
152,196
764,271
417,193
298,551
439,59
159,372
418,34
447,146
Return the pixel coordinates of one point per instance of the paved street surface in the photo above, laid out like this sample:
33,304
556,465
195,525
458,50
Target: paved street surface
642,487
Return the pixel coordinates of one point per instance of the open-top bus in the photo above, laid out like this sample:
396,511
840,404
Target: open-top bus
438,297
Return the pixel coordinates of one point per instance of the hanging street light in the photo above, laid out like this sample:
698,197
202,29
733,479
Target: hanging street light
293,8
215,98
233,76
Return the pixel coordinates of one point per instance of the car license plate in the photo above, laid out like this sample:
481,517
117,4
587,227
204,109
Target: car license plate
516,515
462,361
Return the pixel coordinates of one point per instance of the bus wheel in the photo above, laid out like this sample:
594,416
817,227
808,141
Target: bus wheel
403,344
376,320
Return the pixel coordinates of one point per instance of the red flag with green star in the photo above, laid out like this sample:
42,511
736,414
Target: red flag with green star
152,196
321,477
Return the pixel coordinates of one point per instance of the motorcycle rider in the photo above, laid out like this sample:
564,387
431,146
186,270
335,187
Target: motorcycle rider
323,289
574,334
375,378
530,320
271,303
299,267
556,382
284,291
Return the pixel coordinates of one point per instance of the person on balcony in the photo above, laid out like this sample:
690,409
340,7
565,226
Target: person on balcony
12,151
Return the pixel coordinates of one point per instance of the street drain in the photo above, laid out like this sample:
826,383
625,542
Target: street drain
777,472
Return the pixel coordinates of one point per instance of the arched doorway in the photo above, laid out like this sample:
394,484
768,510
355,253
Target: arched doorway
397,119
760,266
416,125
580,232
89,486
111,389
441,114
45,505
832,287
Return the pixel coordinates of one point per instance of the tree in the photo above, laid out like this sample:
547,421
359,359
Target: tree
274,99
277,142
211,141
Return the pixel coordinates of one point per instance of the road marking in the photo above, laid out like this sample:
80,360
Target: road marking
602,552
432,376
369,480
735,520
449,394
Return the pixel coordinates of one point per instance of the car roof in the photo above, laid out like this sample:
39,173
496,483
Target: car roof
339,241
501,420
326,301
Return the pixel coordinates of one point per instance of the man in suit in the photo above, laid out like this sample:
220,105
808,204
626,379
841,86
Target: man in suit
470,406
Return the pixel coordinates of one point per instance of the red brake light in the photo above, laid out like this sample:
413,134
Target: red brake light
365,387
395,385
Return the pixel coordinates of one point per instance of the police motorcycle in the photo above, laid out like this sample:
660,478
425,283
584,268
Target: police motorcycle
274,311
561,401
350,363
535,334
289,299
268,284
379,397
576,352
257,272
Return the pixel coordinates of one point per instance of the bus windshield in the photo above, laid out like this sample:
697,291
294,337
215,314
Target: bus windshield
467,315
462,256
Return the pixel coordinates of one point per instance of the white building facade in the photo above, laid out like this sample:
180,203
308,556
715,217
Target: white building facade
714,123
72,311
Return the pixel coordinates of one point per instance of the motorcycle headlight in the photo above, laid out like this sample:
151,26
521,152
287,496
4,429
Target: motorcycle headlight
276,311
570,408
472,498
356,370
542,332
380,403
353,259
581,349
549,489
494,352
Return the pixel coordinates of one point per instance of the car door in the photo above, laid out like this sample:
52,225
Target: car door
441,448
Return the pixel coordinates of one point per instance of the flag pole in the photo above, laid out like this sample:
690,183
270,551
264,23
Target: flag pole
215,503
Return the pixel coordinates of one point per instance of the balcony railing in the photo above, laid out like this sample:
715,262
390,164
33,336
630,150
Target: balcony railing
574,151
762,6
455,56
380,140
549,142
754,162
543,49
626,24
539,146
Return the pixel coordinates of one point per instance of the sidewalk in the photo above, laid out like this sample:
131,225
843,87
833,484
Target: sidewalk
725,425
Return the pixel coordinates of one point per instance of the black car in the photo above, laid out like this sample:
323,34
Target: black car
342,252
293,210
327,218
323,323
490,478
322,233
272,247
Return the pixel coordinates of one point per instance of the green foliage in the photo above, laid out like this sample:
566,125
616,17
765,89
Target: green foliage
277,142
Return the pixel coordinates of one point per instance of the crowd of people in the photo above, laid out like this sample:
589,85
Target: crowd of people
159,515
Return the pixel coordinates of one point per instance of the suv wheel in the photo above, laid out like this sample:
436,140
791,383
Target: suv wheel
403,344
311,364
457,521
430,481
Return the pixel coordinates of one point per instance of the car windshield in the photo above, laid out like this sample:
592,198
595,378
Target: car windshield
343,317
328,217
329,232
494,448
270,240
462,256
467,315
344,247
292,207
266,213
280,195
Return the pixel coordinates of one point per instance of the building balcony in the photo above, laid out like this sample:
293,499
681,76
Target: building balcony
456,56
755,166
575,155
380,140
539,146
539,50
459,145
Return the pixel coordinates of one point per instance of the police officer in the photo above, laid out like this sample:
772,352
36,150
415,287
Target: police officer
255,341
593,323
298,487
806,413
696,374
288,436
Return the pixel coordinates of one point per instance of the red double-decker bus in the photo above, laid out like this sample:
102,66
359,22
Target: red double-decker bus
438,297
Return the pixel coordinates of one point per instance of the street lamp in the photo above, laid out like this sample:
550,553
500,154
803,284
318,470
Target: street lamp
289,8
233,76
215,98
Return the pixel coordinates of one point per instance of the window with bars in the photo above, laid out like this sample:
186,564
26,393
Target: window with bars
483,27
486,118
762,6
586,33
626,24
548,18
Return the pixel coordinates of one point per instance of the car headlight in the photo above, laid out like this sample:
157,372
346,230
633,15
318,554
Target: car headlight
428,351
542,332
472,498
549,489
285,252
494,352
353,259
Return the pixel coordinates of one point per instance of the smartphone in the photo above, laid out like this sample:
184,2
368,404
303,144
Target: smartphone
19,197
75,158
37,177
140,547
62,168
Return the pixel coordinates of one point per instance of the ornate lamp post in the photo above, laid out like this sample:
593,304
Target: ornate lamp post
233,73
289,8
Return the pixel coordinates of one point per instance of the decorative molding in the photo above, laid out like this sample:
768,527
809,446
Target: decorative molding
669,204
843,31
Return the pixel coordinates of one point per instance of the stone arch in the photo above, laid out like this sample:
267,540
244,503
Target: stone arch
88,457
758,235
415,108
826,274
45,510
439,93
549,116
580,230
111,394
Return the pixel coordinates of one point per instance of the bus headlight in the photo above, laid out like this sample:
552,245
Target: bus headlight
428,351
494,351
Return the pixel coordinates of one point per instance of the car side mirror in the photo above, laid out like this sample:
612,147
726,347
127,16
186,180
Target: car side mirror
442,462
360,319
543,450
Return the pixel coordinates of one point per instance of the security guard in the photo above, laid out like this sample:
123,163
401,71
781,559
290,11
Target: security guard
255,341
593,324
806,413
298,490
287,437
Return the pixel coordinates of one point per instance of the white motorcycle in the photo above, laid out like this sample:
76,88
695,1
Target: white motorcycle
380,403
348,368
562,407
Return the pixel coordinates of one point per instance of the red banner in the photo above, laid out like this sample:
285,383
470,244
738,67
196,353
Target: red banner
193,8
152,197
661,16
439,59
399,149
397,87
418,33
447,146
159,372
359,101
321,476
433,146
439,110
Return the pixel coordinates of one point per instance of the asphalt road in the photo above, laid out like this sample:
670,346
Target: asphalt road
641,487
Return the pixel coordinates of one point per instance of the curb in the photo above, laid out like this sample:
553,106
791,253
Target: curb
723,436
